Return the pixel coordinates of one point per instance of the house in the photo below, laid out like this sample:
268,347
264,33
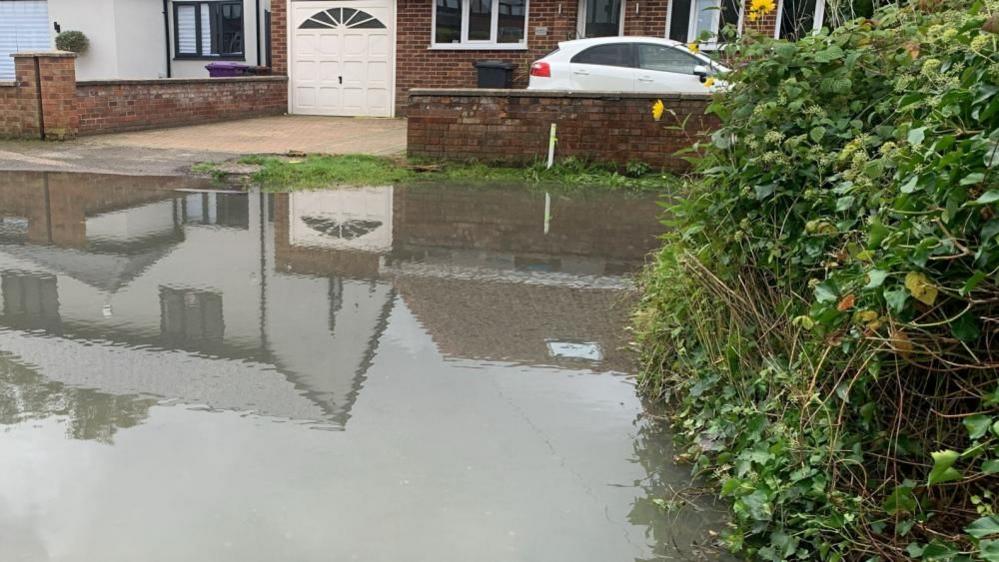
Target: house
139,39
361,57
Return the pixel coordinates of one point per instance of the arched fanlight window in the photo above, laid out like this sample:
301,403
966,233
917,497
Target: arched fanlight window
335,18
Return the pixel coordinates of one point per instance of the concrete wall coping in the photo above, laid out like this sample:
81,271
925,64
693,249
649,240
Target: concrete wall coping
48,54
486,93
182,81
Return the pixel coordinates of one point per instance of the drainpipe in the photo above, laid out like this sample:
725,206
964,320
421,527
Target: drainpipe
259,50
166,35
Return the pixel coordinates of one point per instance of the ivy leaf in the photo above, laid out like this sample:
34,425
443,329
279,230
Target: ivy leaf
937,550
977,425
943,469
989,550
920,288
973,179
972,282
916,136
824,292
983,527
900,501
910,185
990,466
764,191
896,299
965,328
990,196
757,505
875,278
845,203
817,133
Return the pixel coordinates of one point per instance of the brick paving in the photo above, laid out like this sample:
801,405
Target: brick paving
272,135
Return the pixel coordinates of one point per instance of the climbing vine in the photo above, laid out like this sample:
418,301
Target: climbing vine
824,316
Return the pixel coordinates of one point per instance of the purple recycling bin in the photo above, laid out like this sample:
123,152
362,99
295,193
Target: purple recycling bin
225,69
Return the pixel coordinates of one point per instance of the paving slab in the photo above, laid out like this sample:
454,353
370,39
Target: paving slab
331,135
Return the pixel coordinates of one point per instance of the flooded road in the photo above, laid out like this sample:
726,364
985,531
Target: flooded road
379,374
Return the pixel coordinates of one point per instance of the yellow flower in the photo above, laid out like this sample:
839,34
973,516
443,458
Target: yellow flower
758,8
657,110
709,82
693,47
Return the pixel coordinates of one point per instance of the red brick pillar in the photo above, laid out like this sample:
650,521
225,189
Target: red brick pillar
48,94
279,37
25,100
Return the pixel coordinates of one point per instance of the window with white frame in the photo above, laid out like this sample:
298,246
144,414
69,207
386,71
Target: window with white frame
486,24
702,20
601,18
208,29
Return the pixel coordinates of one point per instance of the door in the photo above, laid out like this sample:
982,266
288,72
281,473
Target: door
663,69
600,18
342,58
24,26
604,68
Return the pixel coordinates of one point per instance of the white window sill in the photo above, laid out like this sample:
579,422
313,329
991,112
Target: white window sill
478,47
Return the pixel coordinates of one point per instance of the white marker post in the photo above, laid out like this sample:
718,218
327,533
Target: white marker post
551,147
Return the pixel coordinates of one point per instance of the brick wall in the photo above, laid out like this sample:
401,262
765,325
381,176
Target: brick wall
279,37
125,105
650,19
418,66
69,108
12,115
513,126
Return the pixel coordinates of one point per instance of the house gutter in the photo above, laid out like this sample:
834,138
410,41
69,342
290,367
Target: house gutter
259,25
166,36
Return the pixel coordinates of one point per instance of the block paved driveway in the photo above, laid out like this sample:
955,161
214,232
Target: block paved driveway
173,151
271,135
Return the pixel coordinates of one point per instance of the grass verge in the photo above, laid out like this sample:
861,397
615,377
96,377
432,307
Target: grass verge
318,171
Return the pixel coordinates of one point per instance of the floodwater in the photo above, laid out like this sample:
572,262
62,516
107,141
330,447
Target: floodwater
378,374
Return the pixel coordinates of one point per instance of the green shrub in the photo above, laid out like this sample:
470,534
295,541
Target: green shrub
72,41
824,316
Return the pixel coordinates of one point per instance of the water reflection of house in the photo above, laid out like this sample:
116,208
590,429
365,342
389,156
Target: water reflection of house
276,304
478,268
176,295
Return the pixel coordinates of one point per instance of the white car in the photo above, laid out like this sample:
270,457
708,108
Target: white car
625,64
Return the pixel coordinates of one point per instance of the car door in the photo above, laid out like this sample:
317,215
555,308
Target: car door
609,67
663,69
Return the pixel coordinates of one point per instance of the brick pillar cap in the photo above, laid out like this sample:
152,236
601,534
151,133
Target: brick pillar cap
48,54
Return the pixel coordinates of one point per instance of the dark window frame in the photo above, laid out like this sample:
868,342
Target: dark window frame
177,55
632,56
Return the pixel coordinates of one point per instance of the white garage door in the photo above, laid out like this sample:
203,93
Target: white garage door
24,26
342,58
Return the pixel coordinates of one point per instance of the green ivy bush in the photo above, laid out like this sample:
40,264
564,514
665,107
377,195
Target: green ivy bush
72,41
823,317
